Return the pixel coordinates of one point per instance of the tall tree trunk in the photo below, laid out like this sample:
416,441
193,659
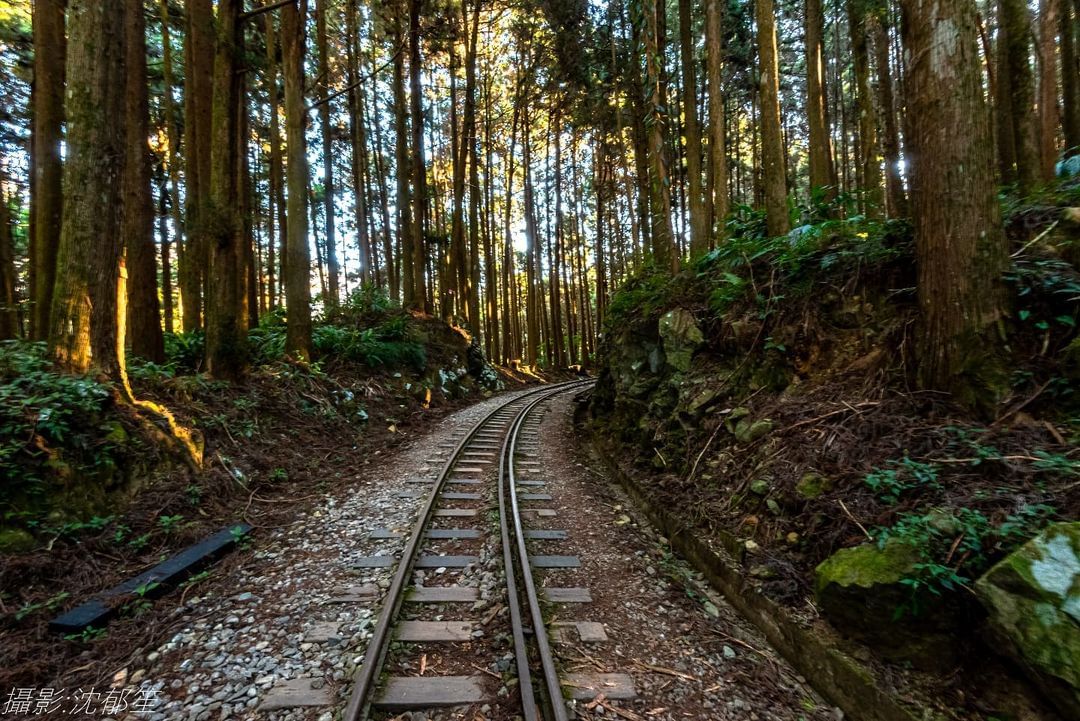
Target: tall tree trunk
46,198
86,317
877,24
402,201
226,317
821,169
869,173
960,245
1015,45
9,312
173,136
325,110
1048,84
166,261
358,141
275,172
468,153
717,140
419,168
663,236
1070,78
772,143
298,263
699,223
137,229
198,102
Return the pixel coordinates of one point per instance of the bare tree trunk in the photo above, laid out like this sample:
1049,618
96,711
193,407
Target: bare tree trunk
1015,46
869,174
402,201
663,236
877,29
1070,78
419,172
699,223
275,172
1048,84
87,317
717,140
46,198
226,319
166,261
358,141
821,171
960,245
198,100
772,143
332,269
298,263
137,229
169,109
468,151
9,313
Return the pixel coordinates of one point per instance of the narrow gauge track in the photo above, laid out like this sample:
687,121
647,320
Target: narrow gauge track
506,429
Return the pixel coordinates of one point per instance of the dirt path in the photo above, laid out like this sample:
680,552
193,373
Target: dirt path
289,624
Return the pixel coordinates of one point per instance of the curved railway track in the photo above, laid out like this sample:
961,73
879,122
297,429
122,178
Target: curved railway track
504,440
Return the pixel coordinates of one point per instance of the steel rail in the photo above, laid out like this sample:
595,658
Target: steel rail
366,677
556,706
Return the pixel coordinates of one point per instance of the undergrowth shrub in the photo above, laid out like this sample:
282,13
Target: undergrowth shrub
40,410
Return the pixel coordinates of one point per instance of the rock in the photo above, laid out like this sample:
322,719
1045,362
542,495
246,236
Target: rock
1032,598
813,485
681,336
861,591
748,431
16,540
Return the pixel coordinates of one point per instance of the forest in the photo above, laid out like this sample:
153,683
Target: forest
821,257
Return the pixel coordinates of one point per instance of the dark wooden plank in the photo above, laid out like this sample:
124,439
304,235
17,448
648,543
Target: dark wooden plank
455,512
445,561
434,631
443,594
545,535
453,534
458,496
567,595
587,686
401,693
554,561
534,496
465,481
154,583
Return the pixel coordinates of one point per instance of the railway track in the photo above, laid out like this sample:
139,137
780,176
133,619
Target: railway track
495,462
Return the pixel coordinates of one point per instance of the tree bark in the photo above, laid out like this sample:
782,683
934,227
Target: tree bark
1048,84
198,103
1015,46
1070,79
46,198
663,236
87,325
298,278
960,244
822,174
332,270
173,136
868,153
419,167
9,313
226,317
877,28
276,173
699,223
774,176
717,126
143,309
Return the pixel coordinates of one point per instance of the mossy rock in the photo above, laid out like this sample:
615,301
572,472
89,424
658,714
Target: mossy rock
861,591
681,337
813,485
748,431
16,540
1032,597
